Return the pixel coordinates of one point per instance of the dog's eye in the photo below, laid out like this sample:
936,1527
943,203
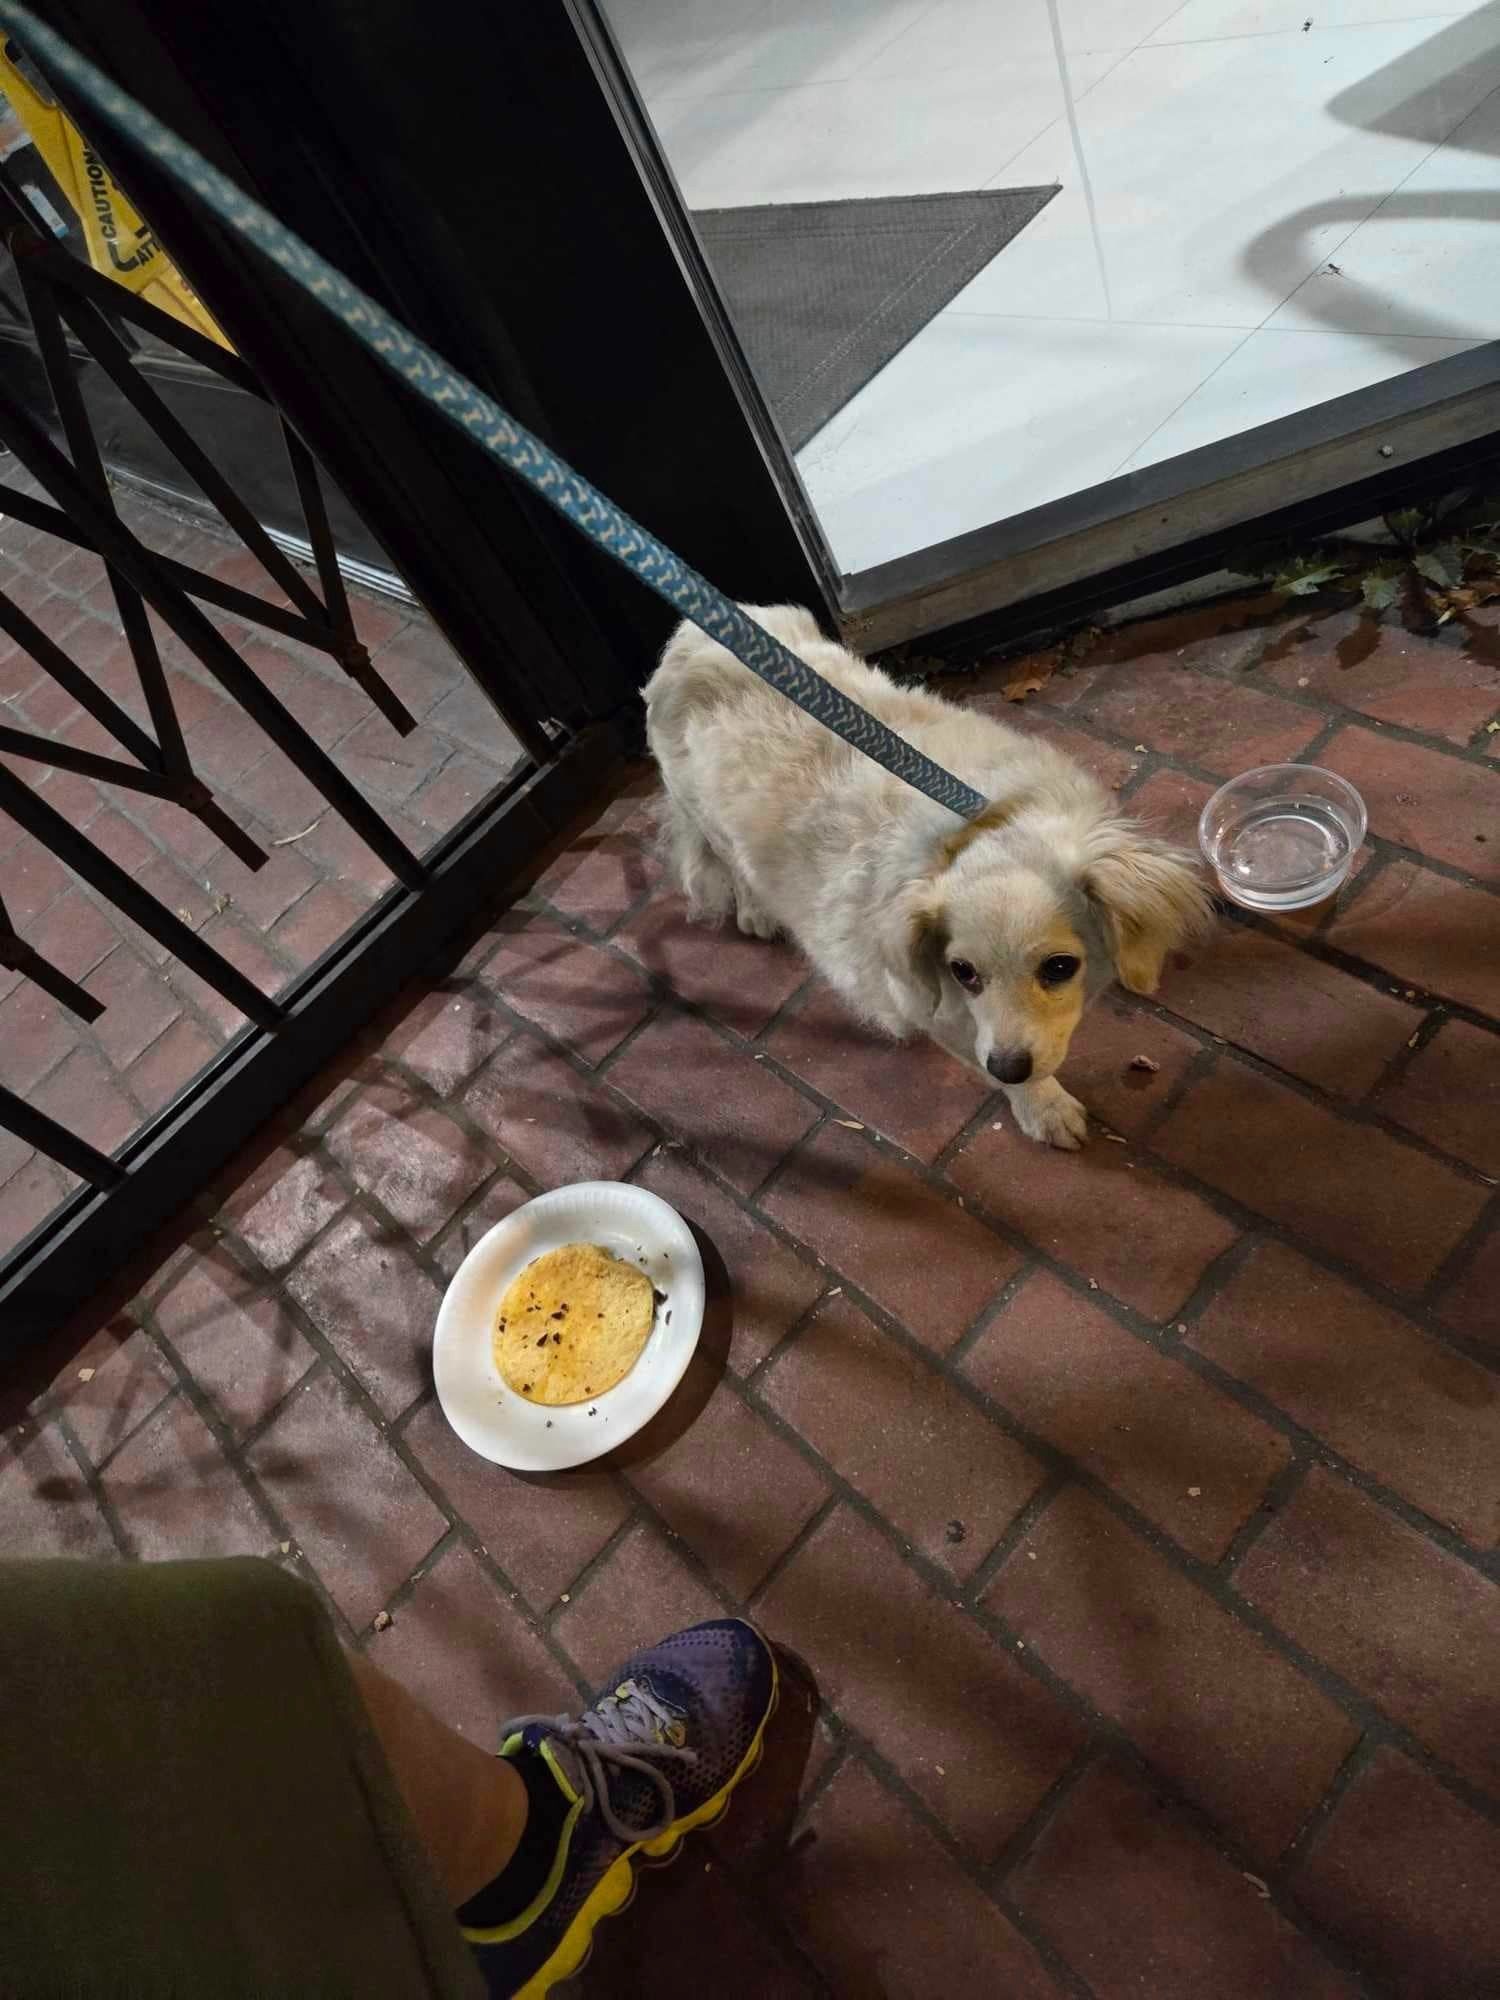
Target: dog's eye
965,974
1057,971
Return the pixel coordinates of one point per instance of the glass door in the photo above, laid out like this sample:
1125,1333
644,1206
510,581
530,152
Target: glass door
1039,291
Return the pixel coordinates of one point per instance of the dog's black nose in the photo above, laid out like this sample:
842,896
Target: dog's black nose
1009,1065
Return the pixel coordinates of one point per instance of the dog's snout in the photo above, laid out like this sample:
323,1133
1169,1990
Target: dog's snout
1009,1065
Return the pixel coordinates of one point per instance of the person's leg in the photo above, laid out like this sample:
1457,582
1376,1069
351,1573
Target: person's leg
469,1805
206,1793
196,1798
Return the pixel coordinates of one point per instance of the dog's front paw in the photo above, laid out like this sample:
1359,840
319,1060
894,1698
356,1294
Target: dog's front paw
1047,1112
751,918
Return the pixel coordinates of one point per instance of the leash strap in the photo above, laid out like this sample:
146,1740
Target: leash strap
481,418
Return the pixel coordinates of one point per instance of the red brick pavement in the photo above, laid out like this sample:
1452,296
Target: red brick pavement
161,1024
1137,1513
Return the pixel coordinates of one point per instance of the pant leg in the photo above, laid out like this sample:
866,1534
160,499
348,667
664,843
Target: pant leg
194,1802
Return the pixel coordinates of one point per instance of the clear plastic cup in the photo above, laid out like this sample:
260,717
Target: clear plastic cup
1282,837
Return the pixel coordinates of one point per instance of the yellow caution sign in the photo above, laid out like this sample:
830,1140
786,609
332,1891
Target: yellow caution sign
120,244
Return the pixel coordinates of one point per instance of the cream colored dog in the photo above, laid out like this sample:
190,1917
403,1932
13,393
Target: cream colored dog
989,935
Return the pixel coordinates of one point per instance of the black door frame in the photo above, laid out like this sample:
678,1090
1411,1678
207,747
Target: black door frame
525,247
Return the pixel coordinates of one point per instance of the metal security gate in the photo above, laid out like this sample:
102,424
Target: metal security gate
60,487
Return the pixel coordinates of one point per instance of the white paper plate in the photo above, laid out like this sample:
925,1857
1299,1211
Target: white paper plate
492,1419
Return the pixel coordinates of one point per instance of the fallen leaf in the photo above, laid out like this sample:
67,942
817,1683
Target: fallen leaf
1306,575
1462,599
86,1374
1195,1492
1440,566
1030,675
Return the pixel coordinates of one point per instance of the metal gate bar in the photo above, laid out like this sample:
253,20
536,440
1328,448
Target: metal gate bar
18,956
55,285
125,555
63,296
36,1129
348,649
96,335
44,823
195,583
50,657
58,288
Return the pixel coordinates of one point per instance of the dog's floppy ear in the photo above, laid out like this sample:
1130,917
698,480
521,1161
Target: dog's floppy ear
1149,896
913,940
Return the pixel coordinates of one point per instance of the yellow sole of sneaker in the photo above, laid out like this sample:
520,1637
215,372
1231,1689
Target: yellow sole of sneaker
615,1889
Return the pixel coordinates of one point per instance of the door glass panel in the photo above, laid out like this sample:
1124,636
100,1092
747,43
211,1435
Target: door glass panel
1059,240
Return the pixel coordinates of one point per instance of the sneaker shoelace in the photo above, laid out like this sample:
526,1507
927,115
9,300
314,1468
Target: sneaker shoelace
624,1731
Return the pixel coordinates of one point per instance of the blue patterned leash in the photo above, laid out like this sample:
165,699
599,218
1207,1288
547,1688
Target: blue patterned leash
502,437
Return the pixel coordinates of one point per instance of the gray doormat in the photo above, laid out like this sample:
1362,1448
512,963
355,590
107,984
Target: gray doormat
823,293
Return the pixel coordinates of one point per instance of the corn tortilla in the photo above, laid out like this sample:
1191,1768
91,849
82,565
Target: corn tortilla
572,1324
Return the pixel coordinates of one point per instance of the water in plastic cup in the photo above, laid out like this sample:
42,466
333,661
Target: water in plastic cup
1282,837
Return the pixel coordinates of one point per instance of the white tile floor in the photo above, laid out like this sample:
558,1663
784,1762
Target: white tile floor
1236,150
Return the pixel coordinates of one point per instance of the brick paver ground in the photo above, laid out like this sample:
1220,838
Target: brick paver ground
162,1023
1134,1514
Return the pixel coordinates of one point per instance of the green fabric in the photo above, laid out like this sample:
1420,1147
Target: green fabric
194,1802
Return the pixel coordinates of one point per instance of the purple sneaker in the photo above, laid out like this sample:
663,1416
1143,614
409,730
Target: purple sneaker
657,1755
